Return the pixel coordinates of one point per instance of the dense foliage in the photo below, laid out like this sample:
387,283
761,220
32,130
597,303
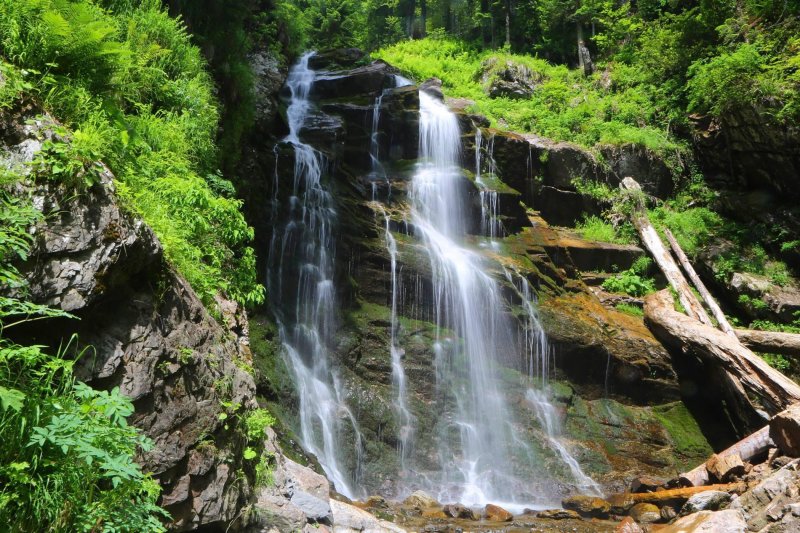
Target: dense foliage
133,92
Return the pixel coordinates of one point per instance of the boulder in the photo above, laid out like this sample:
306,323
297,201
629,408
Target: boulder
645,513
420,500
557,514
589,506
350,519
784,429
456,510
628,525
433,87
495,513
337,59
646,484
728,521
509,79
668,513
368,80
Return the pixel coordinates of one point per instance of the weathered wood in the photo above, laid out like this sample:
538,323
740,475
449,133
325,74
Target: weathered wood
747,448
770,341
774,390
784,428
723,323
725,467
661,255
673,494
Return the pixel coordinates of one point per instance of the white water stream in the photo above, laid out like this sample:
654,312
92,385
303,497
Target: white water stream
302,254
477,439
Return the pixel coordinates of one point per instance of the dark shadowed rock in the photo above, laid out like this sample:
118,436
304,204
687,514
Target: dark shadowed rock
337,59
433,86
368,80
151,337
456,510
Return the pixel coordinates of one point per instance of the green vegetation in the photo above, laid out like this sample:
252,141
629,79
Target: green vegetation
565,104
629,309
594,228
133,92
633,281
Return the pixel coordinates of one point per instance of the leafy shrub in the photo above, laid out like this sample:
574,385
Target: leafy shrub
631,283
595,228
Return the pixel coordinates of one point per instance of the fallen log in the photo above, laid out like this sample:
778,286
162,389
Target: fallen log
672,494
747,448
752,374
722,321
770,341
661,255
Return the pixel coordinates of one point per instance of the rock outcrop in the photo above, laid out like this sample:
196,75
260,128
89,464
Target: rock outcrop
148,334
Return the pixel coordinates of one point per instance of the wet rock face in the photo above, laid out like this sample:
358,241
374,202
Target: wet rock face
150,336
746,149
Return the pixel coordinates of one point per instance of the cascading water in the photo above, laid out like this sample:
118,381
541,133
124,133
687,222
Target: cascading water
490,201
538,359
302,253
467,302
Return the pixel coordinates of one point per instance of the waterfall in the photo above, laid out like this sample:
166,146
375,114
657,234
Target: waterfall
538,362
476,469
405,420
490,221
479,465
303,297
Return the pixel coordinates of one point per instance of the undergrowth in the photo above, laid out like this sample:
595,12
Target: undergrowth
132,91
564,106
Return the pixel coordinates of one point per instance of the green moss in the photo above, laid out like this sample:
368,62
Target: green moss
686,435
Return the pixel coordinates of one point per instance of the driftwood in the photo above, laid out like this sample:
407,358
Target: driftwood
662,257
753,376
674,494
723,323
770,341
747,448
725,467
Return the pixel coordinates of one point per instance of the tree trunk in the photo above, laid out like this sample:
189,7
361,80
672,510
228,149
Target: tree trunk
747,448
508,23
749,375
579,36
673,494
770,341
698,283
423,11
661,255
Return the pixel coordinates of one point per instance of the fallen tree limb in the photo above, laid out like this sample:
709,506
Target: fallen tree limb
661,255
723,323
747,448
673,494
770,341
774,390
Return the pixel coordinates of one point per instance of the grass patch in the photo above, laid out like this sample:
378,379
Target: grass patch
594,228
629,309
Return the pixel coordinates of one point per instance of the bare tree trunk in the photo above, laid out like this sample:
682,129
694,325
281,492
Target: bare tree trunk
750,377
698,283
579,35
747,448
676,494
508,23
662,257
770,341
